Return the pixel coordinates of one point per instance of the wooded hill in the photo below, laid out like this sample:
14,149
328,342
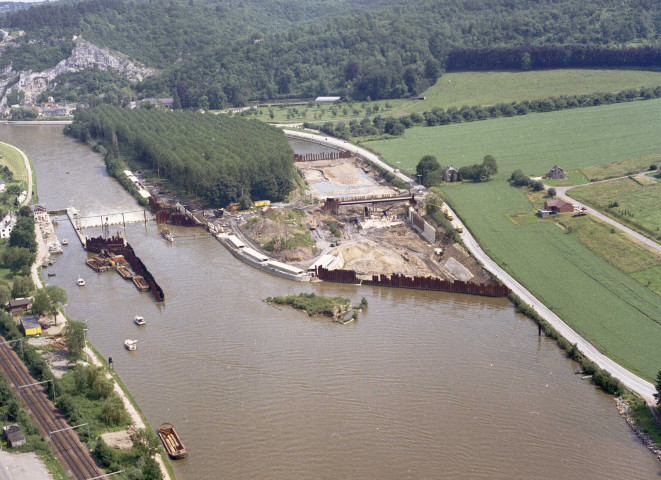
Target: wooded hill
215,157
212,52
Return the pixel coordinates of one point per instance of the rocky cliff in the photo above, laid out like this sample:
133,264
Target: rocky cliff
84,55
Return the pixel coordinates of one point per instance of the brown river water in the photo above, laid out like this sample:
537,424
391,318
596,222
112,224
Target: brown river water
424,385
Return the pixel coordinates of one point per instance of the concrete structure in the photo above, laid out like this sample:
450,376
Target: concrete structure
558,206
426,231
31,325
325,261
556,173
543,213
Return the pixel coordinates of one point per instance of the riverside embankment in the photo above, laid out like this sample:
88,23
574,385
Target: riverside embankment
397,394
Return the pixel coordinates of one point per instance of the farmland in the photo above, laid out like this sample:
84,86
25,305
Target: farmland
626,200
534,143
13,160
474,88
617,313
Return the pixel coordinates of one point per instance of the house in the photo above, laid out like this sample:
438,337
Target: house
556,173
31,325
7,224
14,436
558,206
3,186
40,214
449,173
18,306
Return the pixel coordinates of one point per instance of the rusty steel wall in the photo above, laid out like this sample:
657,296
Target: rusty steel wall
416,283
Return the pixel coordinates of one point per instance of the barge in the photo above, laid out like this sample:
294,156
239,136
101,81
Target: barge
140,283
171,441
124,272
97,264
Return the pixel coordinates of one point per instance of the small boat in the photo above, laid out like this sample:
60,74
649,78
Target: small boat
51,274
51,261
167,234
139,320
81,282
65,241
171,441
130,344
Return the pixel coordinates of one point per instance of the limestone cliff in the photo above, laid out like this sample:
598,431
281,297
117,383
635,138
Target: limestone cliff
84,55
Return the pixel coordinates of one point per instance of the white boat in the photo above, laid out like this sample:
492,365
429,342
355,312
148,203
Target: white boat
65,241
131,344
81,282
139,320
167,234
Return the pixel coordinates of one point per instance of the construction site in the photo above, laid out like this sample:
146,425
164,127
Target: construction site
350,214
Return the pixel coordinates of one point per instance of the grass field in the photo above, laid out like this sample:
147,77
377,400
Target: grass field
621,168
571,139
13,159
614,311
477,88
638,205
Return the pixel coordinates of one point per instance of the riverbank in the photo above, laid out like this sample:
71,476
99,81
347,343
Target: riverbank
42,237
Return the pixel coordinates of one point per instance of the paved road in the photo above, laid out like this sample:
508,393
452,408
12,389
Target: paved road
561,192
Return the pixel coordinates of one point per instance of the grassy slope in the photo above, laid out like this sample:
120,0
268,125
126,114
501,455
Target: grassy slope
608,307
485,88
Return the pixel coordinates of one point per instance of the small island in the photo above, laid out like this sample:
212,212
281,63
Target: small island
335,307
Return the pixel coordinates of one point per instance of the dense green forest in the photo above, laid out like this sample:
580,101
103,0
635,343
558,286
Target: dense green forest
215,157
212,52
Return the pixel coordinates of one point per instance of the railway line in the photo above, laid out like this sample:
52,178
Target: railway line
72,453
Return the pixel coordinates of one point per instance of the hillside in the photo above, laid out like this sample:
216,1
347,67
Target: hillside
209,53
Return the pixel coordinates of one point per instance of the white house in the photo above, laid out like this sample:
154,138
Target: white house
7,224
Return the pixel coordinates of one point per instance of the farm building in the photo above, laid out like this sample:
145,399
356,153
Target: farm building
556,173
31,325
14,436
558,206
326,99
543,213
449,173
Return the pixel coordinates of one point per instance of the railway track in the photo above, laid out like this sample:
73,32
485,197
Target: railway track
72,453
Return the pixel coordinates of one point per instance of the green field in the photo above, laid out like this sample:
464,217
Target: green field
621,168
617,313
638,205
13,159
534,143
477,88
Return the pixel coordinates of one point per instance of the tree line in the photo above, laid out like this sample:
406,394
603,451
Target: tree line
378,125
215,157
551,56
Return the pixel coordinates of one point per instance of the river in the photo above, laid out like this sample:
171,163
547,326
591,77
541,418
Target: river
423,385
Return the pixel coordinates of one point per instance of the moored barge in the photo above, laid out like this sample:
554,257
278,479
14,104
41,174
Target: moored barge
140,283
171,441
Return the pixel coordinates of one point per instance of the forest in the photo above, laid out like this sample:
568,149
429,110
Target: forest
210,53
214,157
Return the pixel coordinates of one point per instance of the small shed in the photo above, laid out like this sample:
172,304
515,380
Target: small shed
31,325
558,206
14,436
556,173
543,213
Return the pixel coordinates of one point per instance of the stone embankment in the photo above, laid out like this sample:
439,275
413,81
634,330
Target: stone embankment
626,413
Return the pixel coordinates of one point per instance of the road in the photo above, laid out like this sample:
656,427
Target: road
561,192
644,388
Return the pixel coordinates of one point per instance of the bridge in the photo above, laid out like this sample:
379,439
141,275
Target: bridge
105,220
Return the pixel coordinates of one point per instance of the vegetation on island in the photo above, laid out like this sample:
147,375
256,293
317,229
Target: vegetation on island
313,304
214,157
